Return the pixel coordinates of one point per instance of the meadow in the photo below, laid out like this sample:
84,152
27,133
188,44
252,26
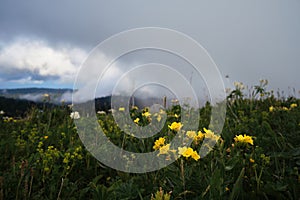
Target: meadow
256,156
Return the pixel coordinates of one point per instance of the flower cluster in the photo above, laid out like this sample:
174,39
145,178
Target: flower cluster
197,137
188,152
210,135
164,149
175,126
75,115
239,85
146,114
9,119
72,156
159,143
48,157
158,115
283,108
243,139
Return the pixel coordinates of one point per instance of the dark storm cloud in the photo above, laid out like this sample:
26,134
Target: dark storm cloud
248,40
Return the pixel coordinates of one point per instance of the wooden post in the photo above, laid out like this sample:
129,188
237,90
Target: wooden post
165,102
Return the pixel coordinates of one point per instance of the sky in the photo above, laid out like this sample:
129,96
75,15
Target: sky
44,43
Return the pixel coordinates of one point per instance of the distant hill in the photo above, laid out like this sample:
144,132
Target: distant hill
19,107
15,102
16,107
36,94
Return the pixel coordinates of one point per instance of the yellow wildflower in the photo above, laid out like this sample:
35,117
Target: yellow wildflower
176,126
135,108
243,139
158,143
181,150
195,155
271,108
158,118
251,160
293,105
66,161
164,149
46,136
121,109
199,137
188,152
210,134
78,149
177,116
285,108
146,114
161,111
136,120
191,134
50,147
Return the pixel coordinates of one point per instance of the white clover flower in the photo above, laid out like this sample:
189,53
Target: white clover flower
263,82
227,90
2,112
174,100
112,110
101,112
239,85
75,115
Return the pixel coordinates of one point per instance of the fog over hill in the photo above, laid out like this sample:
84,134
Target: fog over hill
36,94
19,100
56,96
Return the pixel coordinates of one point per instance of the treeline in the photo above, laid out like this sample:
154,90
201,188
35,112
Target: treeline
19,107
16,107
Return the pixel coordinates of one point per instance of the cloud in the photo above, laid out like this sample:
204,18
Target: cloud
27,80
32,97
91,84
245,41
34,61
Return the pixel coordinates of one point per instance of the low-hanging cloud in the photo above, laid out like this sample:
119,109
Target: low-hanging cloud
90,83
34,61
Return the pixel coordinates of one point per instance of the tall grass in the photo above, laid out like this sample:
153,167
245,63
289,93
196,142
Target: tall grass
42,156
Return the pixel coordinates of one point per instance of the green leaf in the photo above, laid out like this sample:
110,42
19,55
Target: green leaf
237,188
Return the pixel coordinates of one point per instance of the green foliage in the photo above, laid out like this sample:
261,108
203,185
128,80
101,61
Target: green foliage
43,157
160,195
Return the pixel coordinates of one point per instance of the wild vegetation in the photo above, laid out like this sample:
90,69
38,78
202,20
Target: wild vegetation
256,156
